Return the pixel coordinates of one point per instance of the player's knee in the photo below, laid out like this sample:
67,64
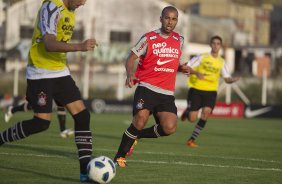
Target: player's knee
42,124
139,121
35,125
204,116
170,128
192,119
82,120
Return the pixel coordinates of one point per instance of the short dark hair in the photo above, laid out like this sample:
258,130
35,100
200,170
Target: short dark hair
216,37
169,8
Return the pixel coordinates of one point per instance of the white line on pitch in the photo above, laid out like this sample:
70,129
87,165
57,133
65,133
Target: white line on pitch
207,165
158,162
171,154
203,156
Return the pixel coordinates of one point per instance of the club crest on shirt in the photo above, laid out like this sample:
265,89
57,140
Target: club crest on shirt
67,19
140,104
41,99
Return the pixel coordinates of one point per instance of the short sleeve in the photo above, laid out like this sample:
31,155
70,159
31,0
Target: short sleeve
49,16
141,47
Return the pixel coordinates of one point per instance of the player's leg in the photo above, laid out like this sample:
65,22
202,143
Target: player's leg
69,96
141,112
39,96
165,125
185,113
61,115
83,135
199,126
13,109
208,101
130,135
164,114
193,115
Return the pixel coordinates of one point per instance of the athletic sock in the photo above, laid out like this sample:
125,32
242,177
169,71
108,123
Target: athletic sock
18,108
61,115
199,127
152,132
23,108
24,129
83,139
128,138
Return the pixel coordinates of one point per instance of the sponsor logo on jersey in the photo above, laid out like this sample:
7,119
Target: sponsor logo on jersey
161,50
67,19
175,38
159,62
153,37
67,27
141,46
169,70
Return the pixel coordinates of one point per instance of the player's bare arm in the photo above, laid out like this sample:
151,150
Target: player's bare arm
198,74
129,65
230,80
52,45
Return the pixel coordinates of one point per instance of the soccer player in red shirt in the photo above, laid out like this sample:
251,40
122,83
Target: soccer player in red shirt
159,55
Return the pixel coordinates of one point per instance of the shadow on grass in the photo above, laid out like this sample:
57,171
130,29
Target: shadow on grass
40,174
43,150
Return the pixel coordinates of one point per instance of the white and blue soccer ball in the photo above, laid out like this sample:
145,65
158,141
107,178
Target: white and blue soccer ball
101,169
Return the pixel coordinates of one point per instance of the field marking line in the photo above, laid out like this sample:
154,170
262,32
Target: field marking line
171,154
33,155
206,165
203,156
158,162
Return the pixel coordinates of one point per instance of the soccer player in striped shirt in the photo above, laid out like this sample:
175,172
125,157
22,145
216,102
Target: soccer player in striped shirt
48,78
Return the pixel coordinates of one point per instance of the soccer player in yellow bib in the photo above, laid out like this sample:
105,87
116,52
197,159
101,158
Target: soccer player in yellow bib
48,78
205,72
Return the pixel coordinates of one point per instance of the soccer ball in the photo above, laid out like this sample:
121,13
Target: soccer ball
101,169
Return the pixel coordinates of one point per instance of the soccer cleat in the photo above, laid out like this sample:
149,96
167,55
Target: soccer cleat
84,178
66,133
191,143
8,114
184,115
121,162
131,149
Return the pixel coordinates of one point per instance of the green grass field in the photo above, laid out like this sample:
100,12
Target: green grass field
233,151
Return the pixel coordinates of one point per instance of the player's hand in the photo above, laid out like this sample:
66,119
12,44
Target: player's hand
200,75
184,69
130,81
234,79
89,44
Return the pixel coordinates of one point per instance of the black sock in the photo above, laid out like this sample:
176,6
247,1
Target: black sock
23,107
61,115
24,129
199,127
83,139
152,132
18,108
128,138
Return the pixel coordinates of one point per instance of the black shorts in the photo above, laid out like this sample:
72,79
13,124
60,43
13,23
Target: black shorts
197,99
145,98
40,93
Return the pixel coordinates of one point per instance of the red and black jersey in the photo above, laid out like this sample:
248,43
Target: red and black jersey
160,64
